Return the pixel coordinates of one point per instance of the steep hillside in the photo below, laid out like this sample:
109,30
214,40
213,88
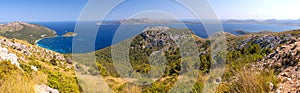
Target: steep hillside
243,52
285,60
154,42
259,62
25,31
28,68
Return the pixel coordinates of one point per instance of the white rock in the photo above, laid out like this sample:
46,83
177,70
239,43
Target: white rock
271,85
4,55
3,51
45,89
34,68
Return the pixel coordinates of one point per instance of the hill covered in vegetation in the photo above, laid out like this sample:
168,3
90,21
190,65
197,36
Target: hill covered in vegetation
256,63
27,68
25,31
240,75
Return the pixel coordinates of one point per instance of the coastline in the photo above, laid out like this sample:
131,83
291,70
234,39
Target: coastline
36,41
65,49
60,51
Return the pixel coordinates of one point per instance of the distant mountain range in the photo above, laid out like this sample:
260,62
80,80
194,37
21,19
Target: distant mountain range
270,21
196,21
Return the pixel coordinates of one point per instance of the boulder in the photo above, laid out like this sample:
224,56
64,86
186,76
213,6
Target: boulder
34,68
5,55
45,89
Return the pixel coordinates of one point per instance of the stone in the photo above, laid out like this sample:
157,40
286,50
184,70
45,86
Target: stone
9,56
34,68
45,89
271,85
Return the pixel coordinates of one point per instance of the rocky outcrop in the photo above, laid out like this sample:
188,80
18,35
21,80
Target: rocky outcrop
5,55
161,37
155,37
266,41
285,60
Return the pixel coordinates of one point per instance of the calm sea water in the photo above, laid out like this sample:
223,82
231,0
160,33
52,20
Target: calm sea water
106,33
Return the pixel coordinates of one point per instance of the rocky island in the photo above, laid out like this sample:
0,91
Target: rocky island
70,34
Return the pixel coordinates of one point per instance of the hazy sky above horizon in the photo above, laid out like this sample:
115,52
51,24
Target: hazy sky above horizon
257,9
69,10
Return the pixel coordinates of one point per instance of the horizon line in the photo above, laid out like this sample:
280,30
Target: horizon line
136,18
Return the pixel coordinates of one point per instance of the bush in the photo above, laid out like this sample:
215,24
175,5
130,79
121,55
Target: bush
26,68
62,82
53,62
36,64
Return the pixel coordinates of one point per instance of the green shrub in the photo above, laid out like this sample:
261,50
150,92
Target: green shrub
62,82
26,68
36,64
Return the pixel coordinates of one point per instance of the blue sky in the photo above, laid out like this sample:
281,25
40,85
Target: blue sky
256,9
69,10
40,10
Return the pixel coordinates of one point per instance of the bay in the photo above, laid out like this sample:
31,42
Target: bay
106,33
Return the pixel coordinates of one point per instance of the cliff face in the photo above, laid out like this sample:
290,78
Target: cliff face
25,31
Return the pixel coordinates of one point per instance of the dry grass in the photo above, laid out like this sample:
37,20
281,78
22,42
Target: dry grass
132,89
93,84
15,80
19,82
16,83
249,82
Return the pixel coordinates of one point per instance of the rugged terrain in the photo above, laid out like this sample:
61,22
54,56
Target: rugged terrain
244,53
285,60
27,68
44,69
255,63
